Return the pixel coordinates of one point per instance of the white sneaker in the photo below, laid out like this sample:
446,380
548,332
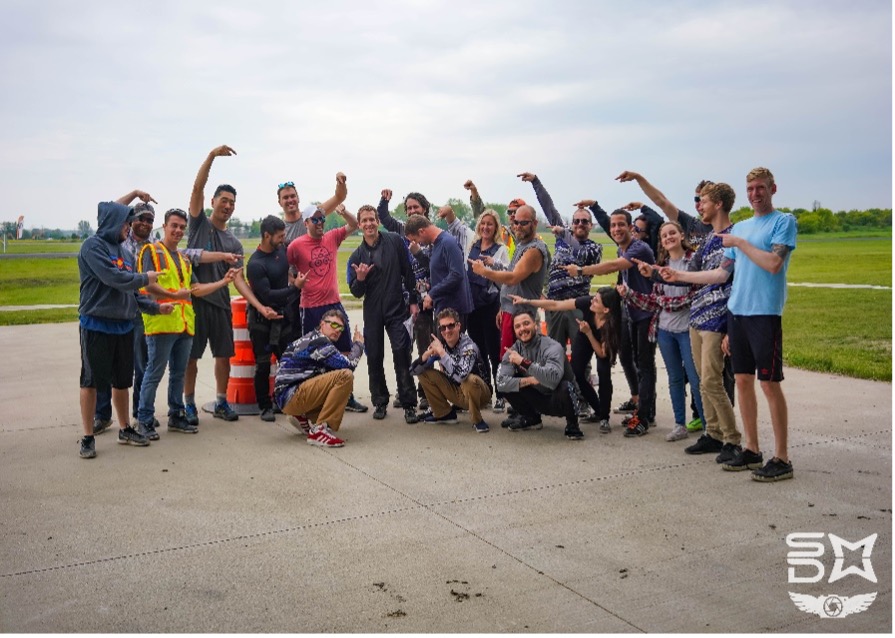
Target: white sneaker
679,432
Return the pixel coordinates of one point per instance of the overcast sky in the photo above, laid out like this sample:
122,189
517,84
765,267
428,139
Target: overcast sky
99,98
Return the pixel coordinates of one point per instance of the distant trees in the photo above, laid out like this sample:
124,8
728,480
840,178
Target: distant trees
823,220
85,230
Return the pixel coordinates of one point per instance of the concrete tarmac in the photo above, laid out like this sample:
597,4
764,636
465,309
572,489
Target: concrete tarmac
423,528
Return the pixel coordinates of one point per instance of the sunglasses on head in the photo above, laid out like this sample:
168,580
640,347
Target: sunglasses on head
335,325
447,326
286,185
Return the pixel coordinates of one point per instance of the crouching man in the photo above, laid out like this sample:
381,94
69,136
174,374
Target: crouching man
536,378
462,383
315,380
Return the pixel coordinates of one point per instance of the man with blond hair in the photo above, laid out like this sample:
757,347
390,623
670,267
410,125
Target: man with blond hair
760,249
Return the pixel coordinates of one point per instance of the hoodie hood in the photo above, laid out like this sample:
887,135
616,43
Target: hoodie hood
110,217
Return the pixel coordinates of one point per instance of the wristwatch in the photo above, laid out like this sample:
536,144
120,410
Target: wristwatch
580,271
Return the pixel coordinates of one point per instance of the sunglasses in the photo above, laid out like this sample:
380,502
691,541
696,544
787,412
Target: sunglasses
522,222
697,198
580,222
335,325
317,220
146,219
637,229
447,326
286,185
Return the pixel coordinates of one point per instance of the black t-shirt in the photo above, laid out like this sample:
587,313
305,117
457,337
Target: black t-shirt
583,304
268,275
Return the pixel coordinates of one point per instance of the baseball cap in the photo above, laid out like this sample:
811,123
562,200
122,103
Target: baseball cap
309,211
143,208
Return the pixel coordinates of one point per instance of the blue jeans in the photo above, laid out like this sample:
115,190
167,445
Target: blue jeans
172,351
104,395
675,349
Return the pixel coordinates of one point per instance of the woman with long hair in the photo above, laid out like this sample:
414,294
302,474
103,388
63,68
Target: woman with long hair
670,325
481,327
598,334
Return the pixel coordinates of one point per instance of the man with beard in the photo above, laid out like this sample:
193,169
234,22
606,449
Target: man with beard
268,274
379,271
214,319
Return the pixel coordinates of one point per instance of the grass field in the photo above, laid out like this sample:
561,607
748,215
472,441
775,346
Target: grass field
842,331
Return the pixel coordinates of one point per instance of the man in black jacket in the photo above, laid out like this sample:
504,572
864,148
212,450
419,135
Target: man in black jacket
379,271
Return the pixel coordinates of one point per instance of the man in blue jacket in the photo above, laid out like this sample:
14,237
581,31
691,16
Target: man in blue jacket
108,304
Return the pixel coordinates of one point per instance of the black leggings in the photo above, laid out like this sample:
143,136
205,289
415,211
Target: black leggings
483,331
582,351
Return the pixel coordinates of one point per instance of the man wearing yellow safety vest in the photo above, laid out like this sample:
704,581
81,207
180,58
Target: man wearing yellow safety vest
169,341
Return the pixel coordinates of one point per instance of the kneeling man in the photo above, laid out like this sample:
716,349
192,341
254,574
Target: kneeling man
536,378
461,382
315,379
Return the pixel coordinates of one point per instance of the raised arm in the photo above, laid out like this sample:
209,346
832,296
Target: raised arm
544,199
657,197
385,216
197,198
350,219
475,201
134,194
600,215
341,193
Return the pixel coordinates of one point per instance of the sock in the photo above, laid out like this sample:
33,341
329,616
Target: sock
189,398
221,398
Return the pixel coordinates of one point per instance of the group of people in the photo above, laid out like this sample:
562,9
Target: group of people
467,299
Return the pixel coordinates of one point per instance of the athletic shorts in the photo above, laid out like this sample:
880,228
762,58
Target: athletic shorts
106,359
756,344
214,325
310,320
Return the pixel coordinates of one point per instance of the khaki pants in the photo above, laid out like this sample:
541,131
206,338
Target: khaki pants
473,394
720,422
323,398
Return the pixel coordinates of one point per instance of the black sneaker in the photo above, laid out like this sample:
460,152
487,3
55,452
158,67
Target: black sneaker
636,428
628,407
397,403
410,416
593,417
380,412
179,423
268,415
88,447
100,426
728,453
705,445
129,436
774,470
354,406
524,423
745,460
450,417
510,420
424,404
500,405
148,430
574,433
222,410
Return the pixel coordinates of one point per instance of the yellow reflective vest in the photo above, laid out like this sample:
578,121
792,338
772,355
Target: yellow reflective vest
172,279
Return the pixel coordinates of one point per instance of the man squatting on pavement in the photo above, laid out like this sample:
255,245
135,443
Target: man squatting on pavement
462,381
315,379
760,249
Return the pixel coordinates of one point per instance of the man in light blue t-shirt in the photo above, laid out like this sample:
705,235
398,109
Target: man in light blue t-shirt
759,248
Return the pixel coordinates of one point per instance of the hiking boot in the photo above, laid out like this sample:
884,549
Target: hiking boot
524,423
222,410
695,425
178,423
100,426
450,417
88,447
268,415
148,430
500,405
574,433
380,412
481,427
744,460
728,453
604,426
129,436
705,445
301,423
635,427
354,406
679,432
192,414
322,436
628,407
410,416
774,470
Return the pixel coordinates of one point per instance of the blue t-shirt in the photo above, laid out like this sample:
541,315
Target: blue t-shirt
756,291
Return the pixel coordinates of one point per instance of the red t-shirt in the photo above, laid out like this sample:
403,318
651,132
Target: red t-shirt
317,257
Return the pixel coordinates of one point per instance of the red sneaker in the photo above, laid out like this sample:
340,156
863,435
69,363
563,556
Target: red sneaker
322,436
300,423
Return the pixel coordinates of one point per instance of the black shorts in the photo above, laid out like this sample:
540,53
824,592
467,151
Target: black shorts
214,325
756,343
106,359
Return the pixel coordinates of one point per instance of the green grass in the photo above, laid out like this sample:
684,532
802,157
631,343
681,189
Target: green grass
842,331
25,246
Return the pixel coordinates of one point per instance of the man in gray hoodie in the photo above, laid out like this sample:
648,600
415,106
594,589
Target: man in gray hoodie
108,304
